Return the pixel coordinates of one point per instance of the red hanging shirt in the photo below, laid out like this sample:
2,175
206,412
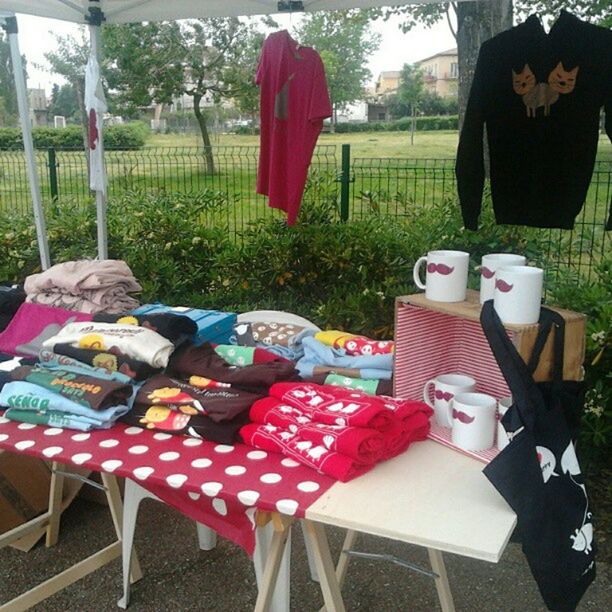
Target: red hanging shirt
293,103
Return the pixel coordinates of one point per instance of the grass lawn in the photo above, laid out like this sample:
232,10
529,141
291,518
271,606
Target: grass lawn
439,144
369,144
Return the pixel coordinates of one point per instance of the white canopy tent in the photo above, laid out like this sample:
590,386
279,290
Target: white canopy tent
96,12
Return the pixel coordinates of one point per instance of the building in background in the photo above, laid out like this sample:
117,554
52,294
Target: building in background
38,106
441,73
387,83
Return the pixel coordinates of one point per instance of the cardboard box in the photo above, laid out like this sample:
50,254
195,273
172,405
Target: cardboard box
24,493
24,489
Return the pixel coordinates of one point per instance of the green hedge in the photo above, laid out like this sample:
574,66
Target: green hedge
339,275
423,124
129,136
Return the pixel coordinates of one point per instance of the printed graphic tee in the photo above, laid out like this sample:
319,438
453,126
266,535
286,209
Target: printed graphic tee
293,103
540,96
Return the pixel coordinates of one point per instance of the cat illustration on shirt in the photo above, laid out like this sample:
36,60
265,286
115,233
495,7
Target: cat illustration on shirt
535,95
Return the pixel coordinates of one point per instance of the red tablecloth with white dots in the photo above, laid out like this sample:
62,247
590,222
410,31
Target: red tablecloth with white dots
218,485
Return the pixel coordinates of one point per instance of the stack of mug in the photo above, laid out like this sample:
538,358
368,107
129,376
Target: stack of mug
515,287
473,418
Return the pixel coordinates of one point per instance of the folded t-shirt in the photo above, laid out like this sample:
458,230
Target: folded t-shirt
28,396
203,396
203,361
174,327
173,421
95,393
136,342
113,360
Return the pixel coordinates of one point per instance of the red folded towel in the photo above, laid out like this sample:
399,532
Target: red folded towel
335,405
360,443
271,438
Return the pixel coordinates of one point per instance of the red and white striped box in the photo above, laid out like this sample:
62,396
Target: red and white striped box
429,343
433,338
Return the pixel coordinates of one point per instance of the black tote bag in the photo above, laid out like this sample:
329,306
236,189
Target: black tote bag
538,473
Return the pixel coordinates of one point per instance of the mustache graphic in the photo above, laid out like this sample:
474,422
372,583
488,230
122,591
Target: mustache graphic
486,272
443,395
461,416
439,268
503,286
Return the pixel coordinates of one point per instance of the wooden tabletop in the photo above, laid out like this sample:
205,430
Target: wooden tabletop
431,496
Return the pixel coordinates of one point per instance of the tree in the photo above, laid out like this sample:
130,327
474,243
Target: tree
481,20
64,100
69,59
345,41
411,87
476,22
8,95
156,62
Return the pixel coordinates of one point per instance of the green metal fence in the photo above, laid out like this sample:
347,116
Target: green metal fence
394,187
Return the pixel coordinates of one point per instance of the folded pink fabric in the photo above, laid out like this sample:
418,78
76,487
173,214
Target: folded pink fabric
83,275
335,405
275,439
359,443
85,286
32,325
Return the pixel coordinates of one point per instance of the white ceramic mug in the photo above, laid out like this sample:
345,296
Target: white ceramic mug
446,278
474,421
488,265
502,407
518,294
445,387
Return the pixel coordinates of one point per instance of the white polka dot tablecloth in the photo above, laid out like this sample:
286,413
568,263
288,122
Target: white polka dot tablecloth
216,484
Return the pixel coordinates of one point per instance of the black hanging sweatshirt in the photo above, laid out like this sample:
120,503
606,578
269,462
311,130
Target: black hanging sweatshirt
540,97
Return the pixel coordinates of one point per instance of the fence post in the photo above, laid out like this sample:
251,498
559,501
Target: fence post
345,182
53,175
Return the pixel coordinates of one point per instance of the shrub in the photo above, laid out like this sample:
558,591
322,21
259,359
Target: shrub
443,122
128,136
593,298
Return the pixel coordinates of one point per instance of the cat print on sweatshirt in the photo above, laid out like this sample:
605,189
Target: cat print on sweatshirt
536,95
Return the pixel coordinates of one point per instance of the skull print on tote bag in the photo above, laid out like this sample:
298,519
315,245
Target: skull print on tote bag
538,473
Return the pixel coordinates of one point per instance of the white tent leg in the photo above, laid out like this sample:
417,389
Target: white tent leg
95,50
28,145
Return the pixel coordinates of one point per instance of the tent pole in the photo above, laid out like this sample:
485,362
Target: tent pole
95,50
10,25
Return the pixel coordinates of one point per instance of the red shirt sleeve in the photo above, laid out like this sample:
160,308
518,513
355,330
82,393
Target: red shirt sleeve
261,68
320,104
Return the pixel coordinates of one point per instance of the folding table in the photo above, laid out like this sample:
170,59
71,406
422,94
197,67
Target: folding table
430,496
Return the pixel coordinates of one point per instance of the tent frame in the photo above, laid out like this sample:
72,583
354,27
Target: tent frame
94,16
9,22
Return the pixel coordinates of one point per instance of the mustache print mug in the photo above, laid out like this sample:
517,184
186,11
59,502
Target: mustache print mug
445,387
474,421
446,275
489,265
518,294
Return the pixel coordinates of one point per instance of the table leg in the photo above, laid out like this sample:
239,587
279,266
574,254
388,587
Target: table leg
310,556
330,588
133,495
442,586
56,490
113,496
282,589
343,561
207,537
268,581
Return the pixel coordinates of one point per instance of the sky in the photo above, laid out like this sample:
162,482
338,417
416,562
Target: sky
36,37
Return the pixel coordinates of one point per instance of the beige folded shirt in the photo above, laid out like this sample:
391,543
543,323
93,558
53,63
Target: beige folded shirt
134,341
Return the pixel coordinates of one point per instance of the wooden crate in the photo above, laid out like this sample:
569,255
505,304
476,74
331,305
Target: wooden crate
437,337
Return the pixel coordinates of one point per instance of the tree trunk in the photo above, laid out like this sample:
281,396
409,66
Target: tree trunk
477,22
79,86
208,151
